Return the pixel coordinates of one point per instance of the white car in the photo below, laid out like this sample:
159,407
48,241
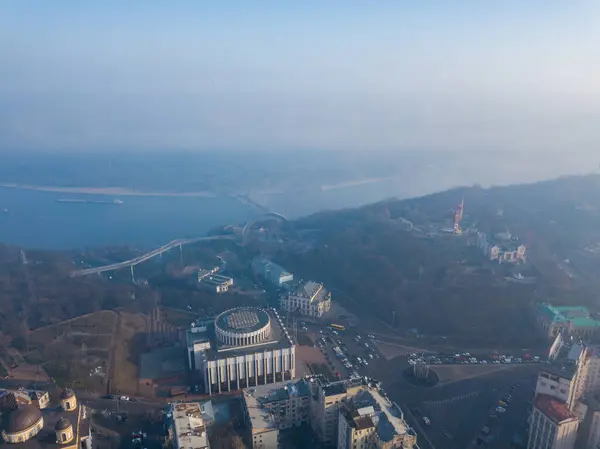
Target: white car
500,409
371,336
426,420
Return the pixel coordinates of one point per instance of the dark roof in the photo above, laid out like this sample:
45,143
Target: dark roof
62,424
46,438
334,388
364,422
67,393
21,419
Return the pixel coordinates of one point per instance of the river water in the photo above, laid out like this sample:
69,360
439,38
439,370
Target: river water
34,219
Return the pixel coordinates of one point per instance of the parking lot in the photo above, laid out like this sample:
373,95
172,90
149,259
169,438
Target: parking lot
466,358
348,352
489,411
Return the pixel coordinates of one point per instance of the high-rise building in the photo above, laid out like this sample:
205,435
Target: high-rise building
356,429
356,414
566,405
270,408
553,425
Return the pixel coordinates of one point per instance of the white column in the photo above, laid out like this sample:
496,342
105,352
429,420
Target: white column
207,381
246,370
255,370
219,376
228,368
237,373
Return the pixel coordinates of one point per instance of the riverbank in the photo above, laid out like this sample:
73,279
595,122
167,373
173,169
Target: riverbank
118,191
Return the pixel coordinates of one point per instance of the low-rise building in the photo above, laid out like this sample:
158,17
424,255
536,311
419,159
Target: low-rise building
572,321
271,408
203,273
187,428
38,398
552,425
217,282
310,299
271,272
504,249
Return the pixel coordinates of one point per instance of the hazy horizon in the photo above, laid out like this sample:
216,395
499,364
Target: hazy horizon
464,75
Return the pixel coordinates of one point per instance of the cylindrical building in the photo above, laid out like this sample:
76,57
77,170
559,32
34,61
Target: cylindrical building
243,326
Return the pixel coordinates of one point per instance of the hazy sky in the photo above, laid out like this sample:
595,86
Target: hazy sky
522,74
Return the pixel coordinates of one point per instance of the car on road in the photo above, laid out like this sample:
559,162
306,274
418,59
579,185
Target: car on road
426,420
371,336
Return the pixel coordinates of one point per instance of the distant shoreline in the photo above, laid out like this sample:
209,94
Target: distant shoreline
120,191
358,182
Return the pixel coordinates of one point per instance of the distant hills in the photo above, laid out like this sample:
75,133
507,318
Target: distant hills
440,283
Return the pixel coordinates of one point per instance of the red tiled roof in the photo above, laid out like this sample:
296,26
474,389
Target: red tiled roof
554,409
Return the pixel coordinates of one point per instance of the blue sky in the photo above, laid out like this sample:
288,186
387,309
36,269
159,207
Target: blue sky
332,75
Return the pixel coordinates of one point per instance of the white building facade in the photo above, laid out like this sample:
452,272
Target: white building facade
271,272
506,252
311,299
553,425
241,348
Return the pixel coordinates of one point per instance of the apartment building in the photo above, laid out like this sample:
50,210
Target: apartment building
553,425
356,412
356,429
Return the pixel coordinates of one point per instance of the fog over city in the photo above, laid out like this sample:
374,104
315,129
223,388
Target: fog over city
393,76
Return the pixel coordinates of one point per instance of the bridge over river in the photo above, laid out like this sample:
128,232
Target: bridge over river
144,257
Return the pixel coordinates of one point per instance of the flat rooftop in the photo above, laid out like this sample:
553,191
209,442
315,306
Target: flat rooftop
188,426
280,391
162,363
216,279
335,388
387,418
270,267
554,409
261,419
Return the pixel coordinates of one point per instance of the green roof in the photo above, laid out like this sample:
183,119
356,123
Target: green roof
585,322
563,309
553,313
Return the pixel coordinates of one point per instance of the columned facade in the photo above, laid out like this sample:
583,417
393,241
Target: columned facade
248,370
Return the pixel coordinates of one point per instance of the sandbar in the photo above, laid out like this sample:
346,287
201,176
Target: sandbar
357,182
113,191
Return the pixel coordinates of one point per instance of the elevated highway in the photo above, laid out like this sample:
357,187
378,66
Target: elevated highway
144,257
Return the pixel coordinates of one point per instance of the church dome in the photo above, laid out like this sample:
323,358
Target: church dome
62,424
21,419
67,393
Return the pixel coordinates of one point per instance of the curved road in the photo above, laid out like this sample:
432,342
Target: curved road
139,259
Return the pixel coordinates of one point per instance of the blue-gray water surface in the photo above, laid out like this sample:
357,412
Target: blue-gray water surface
34,219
